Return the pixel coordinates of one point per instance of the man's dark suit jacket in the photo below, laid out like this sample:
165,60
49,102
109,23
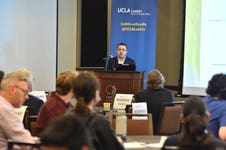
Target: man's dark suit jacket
34,104
112,63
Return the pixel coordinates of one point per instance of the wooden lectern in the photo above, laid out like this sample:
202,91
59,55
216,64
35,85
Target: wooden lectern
113,82
118,82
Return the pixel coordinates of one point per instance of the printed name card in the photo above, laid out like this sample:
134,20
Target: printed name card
121,100
39,94
140,108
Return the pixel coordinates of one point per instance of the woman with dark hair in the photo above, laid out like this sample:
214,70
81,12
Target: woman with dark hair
216,105
86,90
194,134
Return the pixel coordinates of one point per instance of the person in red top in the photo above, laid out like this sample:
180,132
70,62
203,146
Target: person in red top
58,102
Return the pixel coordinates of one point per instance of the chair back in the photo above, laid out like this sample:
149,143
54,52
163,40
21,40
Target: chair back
33,125
170,118
29,122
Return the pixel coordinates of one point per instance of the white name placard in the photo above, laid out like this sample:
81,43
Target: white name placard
121,100
140,108
39,94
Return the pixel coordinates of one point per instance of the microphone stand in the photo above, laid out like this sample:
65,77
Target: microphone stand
106,62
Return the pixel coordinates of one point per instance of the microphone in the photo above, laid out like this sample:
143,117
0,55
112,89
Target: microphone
106,61
106,58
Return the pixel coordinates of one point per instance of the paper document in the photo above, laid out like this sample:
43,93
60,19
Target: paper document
160,144
134,145
137,145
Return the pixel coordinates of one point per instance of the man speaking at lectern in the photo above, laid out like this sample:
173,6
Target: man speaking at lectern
121,58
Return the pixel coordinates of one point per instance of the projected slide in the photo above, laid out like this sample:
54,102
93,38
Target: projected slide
205,44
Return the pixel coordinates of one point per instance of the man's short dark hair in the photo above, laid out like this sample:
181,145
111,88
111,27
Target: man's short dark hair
122,44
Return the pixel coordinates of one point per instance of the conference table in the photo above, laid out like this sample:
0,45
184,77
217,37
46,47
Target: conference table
144,142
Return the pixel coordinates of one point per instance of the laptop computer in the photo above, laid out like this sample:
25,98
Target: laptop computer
125,67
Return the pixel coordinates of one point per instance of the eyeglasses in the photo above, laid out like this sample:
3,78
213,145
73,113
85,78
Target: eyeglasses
23,90
122,49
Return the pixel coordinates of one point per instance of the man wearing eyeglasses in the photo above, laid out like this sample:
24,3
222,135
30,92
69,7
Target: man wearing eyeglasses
13,93
121,58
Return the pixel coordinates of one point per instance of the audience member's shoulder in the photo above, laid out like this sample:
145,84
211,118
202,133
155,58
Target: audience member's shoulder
141,92
97,117
114,59
220,143
130,59
172,140
35,99
51,98
168,90
140,96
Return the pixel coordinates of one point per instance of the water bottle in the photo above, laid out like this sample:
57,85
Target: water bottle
121,124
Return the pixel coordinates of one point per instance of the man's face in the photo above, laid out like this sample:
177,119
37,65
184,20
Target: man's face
19,93
121,51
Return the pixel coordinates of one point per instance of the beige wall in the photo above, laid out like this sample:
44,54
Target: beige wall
169,39
67,34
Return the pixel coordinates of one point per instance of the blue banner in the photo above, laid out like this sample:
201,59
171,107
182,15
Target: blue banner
134,22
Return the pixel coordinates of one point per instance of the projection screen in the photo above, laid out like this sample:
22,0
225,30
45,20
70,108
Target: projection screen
28,39
204,44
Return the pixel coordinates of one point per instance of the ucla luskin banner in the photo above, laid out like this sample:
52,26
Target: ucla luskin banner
134,22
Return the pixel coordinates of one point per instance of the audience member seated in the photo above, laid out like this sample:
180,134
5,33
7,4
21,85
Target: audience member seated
86,90
14,91
154,95
1,75
121,57
194,134
58,102
216,105
66,133
33,103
